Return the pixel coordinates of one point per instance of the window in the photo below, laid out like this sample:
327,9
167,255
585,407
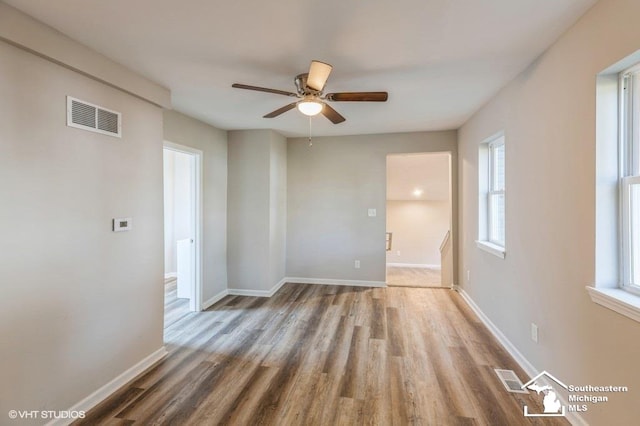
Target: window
617,207
496,192
491,235
630,177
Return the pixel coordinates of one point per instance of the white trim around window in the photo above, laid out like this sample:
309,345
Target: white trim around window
491,188
617,300
617,270
489,247
629,182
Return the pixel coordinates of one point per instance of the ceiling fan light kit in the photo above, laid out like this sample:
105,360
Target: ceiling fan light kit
309,88
310,106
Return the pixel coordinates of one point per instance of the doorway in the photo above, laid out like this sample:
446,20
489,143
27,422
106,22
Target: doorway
419,219
182,180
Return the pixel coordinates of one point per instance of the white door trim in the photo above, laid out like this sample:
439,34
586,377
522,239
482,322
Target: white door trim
452,235
195,303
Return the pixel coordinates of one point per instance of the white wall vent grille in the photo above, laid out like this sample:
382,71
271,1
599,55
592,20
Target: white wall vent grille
83,115
510,381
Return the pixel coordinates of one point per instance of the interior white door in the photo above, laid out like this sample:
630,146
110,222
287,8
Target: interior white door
185,270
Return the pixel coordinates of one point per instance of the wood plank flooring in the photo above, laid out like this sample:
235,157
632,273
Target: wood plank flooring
174,309
326,355
400,276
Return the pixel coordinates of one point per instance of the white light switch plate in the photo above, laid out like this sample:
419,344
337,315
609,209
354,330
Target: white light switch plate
372,212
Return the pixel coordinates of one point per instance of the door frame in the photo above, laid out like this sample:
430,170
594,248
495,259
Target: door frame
452,208
195,303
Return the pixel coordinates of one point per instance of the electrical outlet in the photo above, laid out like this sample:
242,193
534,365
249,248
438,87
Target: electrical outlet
398,253
534,332
356,264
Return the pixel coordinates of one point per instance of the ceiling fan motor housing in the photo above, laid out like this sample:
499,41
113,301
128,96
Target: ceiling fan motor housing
301,86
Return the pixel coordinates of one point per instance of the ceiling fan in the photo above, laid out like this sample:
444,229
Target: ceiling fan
309,91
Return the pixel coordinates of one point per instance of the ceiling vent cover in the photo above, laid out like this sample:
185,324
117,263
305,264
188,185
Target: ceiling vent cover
83,115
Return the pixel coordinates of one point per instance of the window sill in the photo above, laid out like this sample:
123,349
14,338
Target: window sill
491,248
617,300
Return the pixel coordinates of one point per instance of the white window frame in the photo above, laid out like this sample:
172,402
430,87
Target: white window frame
614,179
629,140
486,168
493,191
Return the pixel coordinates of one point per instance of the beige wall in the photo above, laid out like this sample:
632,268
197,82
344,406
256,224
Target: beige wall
277,208
418,229
178,215
80,304
257,216
168,169
184,130
26,32
548,115
331,185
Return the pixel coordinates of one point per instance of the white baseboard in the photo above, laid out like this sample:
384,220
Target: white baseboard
415,265
208,303
245,292
513,351
107,390
170,275
330,281
574,418
258,293
276,287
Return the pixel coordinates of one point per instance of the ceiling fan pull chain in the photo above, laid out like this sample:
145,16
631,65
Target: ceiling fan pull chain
310,143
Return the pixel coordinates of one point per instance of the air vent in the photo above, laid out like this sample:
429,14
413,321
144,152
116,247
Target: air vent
510,381
83,115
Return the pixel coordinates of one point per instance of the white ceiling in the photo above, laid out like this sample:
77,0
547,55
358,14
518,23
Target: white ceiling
428,173
440,60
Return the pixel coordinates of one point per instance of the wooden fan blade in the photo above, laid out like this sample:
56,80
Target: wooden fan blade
263,89
358,97
332,114
281,110
318,75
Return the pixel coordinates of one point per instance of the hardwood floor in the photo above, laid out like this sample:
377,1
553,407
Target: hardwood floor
413,277
326,355
174,309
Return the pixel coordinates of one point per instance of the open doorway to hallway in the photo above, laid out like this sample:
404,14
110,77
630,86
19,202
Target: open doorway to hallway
182,180
419,217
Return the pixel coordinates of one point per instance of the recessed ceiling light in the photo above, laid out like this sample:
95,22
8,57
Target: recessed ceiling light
417,192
